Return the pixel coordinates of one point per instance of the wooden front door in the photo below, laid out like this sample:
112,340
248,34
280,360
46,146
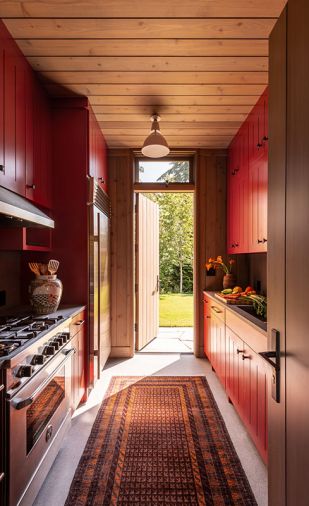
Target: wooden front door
147,271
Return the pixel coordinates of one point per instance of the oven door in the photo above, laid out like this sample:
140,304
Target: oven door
36,414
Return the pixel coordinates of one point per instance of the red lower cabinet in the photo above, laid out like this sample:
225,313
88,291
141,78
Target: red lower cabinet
241,370
77,329
207,317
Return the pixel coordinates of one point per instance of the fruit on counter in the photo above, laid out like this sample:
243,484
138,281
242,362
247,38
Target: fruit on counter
249,291
237,289
227,291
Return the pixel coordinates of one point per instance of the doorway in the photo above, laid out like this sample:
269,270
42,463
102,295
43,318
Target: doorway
164,269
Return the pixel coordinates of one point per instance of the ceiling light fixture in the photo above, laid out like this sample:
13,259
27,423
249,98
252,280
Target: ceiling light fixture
155,145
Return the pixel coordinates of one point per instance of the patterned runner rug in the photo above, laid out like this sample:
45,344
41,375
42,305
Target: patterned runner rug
159,441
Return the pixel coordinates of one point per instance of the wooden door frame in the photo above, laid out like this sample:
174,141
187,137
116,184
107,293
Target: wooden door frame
172,188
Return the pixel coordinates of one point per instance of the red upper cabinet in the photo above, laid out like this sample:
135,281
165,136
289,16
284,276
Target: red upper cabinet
238,192
97,152
247,183
25,131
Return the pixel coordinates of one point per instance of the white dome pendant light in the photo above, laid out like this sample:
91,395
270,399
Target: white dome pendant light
155,145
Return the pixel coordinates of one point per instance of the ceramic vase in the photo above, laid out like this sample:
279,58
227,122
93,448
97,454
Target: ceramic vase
229,281
45,294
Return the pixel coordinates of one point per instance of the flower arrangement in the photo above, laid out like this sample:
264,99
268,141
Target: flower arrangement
219,264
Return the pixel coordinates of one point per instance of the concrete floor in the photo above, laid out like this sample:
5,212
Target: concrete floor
55,489
171,340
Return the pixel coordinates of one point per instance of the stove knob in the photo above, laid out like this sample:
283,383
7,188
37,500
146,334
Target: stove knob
65,336
24,371
55,345
49,350
37,360
60,339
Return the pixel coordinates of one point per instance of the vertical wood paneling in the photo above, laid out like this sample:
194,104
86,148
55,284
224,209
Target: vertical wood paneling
276,250
147,270
120,165
210,228
297,245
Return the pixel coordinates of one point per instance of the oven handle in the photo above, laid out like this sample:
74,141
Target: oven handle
19,403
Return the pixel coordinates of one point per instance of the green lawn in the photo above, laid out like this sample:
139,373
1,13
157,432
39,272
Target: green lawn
176,310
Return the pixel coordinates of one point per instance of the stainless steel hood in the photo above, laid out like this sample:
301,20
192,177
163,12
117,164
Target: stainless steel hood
16,211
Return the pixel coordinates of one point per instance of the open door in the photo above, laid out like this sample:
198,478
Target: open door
147,271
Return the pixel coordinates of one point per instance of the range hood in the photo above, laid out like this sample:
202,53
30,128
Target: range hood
16,211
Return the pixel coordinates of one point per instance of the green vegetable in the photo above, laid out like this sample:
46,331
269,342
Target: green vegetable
227,291
259,304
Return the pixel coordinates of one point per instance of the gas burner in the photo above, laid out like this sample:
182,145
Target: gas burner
7,334
7,347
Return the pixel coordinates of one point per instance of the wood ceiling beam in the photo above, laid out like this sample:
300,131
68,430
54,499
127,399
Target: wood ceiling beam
185,118
158,28
144,47
146,8
160,89
183,109
111,77
150,64
170,100
180,123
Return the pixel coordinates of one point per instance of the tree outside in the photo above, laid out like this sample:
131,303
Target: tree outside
176,241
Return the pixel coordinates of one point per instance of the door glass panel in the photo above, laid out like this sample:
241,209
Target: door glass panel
172,171
43,408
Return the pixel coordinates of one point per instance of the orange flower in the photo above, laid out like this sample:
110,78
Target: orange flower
219,259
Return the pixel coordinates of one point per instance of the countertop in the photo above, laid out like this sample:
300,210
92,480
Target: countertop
254,322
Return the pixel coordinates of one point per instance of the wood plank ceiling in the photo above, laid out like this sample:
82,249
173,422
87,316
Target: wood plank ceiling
201,64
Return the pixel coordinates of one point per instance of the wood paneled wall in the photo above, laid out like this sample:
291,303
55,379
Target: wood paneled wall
210,228
210,240
120,165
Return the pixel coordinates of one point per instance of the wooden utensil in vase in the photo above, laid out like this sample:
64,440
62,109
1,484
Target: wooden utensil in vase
53,266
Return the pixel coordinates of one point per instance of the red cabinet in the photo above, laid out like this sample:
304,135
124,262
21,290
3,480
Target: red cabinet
241,370
246,385
247,183
217,341
25,133
207,327
78,385
238,193
97,152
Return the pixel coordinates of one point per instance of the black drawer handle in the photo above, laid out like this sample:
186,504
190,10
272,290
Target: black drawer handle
80,322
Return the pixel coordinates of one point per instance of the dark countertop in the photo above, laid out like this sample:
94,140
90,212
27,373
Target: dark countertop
247,317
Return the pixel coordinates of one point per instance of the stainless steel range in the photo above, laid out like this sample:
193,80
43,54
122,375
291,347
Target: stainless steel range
35,361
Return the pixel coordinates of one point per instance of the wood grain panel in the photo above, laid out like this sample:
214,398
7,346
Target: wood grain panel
297,243
210,228
144,47
180,110
149,64
155,28
161,100
170,125
147,273
226,118
95,77
276,261
147,8
159,89
122,264
183,142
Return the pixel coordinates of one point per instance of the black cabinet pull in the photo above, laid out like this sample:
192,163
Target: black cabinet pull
240,351
245,356
265,138
264,240
30,186
259,145
259,241
2,169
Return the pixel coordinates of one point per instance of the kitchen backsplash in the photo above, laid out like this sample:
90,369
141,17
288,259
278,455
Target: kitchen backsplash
258,271
10,278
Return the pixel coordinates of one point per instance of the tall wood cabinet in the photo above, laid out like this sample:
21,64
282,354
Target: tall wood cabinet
288,266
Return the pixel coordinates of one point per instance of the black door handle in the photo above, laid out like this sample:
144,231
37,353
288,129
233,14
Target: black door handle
273,359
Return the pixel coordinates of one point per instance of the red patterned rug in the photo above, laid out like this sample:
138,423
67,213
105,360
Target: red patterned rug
159,441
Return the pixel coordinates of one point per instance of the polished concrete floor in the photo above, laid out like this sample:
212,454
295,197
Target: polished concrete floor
171,340
56,486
